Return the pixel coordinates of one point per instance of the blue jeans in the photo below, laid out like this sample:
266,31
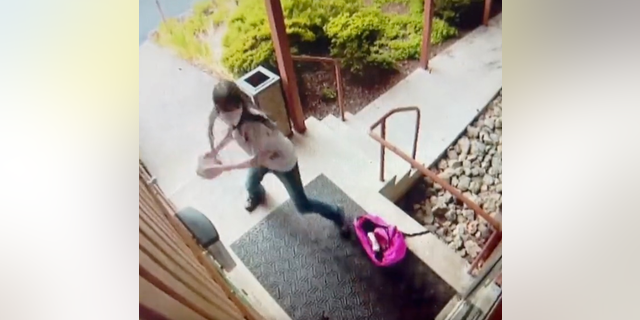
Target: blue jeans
292,182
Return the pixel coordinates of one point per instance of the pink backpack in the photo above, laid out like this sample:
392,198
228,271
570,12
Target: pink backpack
383,243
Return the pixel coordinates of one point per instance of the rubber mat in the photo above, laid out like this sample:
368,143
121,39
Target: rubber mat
313,273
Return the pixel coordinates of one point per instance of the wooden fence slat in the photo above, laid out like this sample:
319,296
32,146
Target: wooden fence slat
161,240
167,234
161,279
165,227
158,301
181,271
147,313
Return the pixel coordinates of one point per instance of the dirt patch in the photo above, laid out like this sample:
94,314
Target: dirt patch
317,84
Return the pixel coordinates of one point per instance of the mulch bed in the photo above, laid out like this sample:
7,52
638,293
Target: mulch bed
359,91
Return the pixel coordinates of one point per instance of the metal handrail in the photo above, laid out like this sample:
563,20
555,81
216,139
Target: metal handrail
383,132
338,74
495,237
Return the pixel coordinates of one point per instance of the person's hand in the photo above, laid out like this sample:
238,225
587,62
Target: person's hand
209,167
213,156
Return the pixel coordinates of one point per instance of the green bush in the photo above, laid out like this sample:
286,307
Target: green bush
358,39
329,94
370,37
359,35
184,35
248,39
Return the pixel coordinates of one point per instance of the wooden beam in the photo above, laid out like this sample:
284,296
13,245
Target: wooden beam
285,64
426,34
487,12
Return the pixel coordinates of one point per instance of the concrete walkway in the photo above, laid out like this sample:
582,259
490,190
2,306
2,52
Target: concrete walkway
175,101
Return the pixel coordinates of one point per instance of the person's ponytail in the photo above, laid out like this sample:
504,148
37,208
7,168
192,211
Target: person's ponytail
250,114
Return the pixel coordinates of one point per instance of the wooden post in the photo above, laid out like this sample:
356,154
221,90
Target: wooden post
285,64
487,12
426,34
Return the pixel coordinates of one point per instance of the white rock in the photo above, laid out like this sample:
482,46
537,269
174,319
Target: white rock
484,230
454,181
489,123
457,243
464,145
487,180
450,215
472,132
469,214
442,164
472,248
463,183
475,186
478,148
472,227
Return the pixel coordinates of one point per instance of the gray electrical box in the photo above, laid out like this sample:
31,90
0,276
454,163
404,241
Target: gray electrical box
265,89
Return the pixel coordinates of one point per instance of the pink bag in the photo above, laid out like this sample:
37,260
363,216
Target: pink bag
390,240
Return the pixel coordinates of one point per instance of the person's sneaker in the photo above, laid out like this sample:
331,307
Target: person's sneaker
252,203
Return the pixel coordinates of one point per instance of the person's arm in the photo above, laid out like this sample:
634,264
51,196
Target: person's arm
225,141
249,163
212,119
210,172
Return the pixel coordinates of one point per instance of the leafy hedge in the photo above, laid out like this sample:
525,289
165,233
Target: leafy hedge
357,34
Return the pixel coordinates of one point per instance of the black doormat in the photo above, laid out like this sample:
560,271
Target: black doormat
311,271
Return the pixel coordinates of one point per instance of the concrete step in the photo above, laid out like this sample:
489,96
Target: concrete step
399,135
350,170
359,138
406,176
317,150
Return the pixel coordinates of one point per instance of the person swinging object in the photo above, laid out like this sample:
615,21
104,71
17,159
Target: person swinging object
269,152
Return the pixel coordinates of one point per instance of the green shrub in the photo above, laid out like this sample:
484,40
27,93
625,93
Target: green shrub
370,37
329,94
356,34
248,39
358,39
